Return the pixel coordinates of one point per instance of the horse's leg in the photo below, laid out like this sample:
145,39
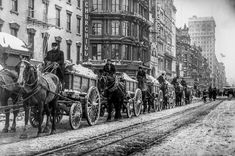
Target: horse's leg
110,108
53,113
117,106
15,112
24,135
7,115
40,113
47,110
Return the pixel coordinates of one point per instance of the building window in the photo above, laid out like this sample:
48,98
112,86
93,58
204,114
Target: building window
115,5
14,5
31,34
45,12
0,3
125,28
69,14
14,27
96,51
97,29
97,5
45,42
115,51
58,10
78,24
1,24
126,52
78,53
79,3
69,43
31,8
115,27
125,5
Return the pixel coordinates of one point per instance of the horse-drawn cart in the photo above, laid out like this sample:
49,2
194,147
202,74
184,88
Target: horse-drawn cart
79,99
133,100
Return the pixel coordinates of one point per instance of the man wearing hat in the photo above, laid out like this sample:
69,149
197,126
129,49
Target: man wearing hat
109,68
141,77
56,57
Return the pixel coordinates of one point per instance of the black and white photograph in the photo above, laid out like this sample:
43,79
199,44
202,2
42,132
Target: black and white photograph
117,77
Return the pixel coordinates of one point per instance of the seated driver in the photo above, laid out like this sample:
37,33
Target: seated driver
56,57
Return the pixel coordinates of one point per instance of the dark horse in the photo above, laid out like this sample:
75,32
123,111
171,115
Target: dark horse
10,89
40,91
115,93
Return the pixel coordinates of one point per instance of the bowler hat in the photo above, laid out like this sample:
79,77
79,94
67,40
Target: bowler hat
54,44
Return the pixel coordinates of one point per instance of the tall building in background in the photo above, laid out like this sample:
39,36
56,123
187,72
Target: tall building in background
202,33
163,32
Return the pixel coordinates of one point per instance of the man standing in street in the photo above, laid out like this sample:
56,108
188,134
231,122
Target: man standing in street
56,57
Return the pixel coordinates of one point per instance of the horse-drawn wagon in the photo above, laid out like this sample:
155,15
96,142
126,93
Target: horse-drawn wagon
132,99
79,99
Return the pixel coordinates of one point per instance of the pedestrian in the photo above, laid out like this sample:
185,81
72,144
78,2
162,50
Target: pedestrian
109,68
56,57
214,93
204,95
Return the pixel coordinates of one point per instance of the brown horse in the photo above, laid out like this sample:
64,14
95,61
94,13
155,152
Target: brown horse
40,90
9,89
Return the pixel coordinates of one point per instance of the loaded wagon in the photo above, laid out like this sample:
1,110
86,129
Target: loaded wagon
79,99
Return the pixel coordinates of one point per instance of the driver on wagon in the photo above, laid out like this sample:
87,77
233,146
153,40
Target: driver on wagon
56,57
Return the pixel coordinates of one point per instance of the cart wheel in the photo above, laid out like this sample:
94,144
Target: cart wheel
137,102
75,115
92,106
33,119
129,108
183,99
160,100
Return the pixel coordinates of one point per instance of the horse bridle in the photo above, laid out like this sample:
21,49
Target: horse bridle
35,72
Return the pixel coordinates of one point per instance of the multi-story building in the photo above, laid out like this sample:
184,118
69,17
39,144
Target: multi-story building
119,30
202,33
166,42
39,23
190,62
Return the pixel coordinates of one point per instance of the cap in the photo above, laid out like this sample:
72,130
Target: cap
54,44
108,60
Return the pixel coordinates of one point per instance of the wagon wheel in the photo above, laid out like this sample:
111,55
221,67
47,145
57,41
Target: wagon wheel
183,99
137,102
33,119
160,100
92,106
129,108
75,115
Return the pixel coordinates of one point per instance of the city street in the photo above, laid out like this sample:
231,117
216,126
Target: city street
195,129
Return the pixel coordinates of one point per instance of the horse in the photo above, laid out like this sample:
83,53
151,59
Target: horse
115,93
41,91
179,94
10,89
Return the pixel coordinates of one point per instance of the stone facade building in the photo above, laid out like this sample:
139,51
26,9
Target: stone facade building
119,30
41,22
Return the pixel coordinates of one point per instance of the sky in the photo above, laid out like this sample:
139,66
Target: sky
223,12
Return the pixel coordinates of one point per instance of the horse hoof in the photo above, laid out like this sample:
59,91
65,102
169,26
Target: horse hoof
53,132
46,130
39,134
23,136
13,130
4,130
